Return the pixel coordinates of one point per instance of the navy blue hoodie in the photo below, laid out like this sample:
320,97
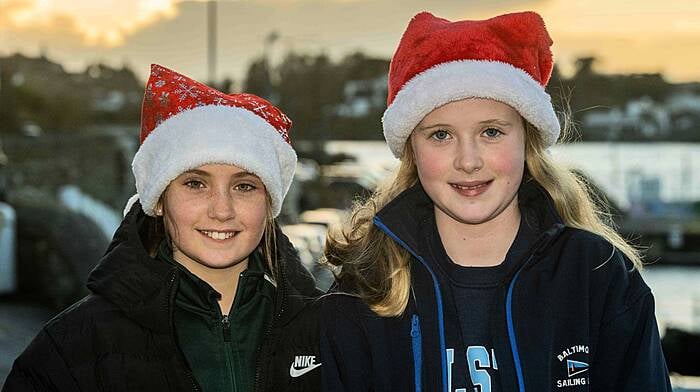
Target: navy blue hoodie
572,315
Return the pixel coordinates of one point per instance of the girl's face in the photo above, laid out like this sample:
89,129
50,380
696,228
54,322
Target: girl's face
215,216
470,156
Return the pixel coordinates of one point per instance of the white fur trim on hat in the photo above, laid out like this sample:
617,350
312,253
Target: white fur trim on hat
213,134
462,79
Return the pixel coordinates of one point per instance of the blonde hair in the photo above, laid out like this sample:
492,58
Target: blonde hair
377,269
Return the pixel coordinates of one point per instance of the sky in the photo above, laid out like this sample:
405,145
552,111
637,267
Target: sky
626,35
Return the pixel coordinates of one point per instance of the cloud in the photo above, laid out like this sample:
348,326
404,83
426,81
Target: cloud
103,23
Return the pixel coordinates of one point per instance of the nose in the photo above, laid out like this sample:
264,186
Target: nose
221,206
468,156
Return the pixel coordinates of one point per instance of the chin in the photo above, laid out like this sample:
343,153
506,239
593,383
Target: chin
222,263
215,260
473,216
471,219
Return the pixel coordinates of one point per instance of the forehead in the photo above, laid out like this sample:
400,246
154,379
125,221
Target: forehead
472,110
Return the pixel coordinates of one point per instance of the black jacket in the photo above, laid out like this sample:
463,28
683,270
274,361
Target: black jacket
571,316
121,337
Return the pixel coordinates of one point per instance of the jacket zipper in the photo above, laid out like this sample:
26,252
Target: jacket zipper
416,343
181,356
226,327
544,239
226,332
226,318
511,333
438,298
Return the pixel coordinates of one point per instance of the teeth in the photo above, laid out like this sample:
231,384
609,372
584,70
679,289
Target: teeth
218,235
468,187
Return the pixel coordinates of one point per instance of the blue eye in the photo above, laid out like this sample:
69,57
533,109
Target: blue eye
492,133
440,135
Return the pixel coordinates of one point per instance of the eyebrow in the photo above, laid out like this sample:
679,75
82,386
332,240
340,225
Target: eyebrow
493,121
207,174
425,127
496,121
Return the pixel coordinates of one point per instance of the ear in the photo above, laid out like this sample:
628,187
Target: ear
159,208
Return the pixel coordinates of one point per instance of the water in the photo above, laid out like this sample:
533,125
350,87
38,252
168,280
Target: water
677,294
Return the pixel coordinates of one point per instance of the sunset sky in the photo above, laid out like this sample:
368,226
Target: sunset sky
627,35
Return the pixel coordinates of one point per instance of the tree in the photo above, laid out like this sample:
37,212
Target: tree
309,87
258,80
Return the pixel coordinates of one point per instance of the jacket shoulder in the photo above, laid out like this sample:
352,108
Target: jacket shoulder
87,328
613,278
46,363
345,314
41,367
346,305
594,253
589,247
93,310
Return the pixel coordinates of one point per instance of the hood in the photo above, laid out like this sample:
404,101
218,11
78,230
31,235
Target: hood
141,286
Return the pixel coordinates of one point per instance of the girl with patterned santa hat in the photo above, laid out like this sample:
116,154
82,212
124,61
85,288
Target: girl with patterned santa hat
483,265
199,289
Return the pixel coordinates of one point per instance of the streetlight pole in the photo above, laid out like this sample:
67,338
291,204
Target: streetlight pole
211,41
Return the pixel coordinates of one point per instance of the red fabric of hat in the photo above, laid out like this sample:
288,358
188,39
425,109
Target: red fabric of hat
169,93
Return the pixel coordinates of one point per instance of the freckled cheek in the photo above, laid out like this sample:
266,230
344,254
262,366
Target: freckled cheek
255,219
252,213
178,225
184,205
182,210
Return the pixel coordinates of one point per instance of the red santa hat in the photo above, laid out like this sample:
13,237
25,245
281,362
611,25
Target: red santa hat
186,124
506,58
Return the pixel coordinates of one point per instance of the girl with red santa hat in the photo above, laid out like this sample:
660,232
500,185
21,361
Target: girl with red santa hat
484,265
199,284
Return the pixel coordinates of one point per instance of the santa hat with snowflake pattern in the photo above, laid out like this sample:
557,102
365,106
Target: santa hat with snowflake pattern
186,124
506,58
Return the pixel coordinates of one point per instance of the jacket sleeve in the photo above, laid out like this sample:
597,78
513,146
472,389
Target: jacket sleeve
629,355
347,362
40,368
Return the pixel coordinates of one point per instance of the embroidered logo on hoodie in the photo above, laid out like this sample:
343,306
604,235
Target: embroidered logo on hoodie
574,366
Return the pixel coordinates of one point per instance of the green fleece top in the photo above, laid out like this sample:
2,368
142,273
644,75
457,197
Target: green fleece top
222,349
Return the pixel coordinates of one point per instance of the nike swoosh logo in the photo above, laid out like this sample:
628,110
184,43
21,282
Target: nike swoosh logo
294,372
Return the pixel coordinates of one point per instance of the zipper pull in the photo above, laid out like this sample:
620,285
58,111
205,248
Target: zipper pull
415,326
416,343
226,326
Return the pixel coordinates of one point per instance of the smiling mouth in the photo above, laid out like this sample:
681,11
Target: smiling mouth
471,186
218,235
